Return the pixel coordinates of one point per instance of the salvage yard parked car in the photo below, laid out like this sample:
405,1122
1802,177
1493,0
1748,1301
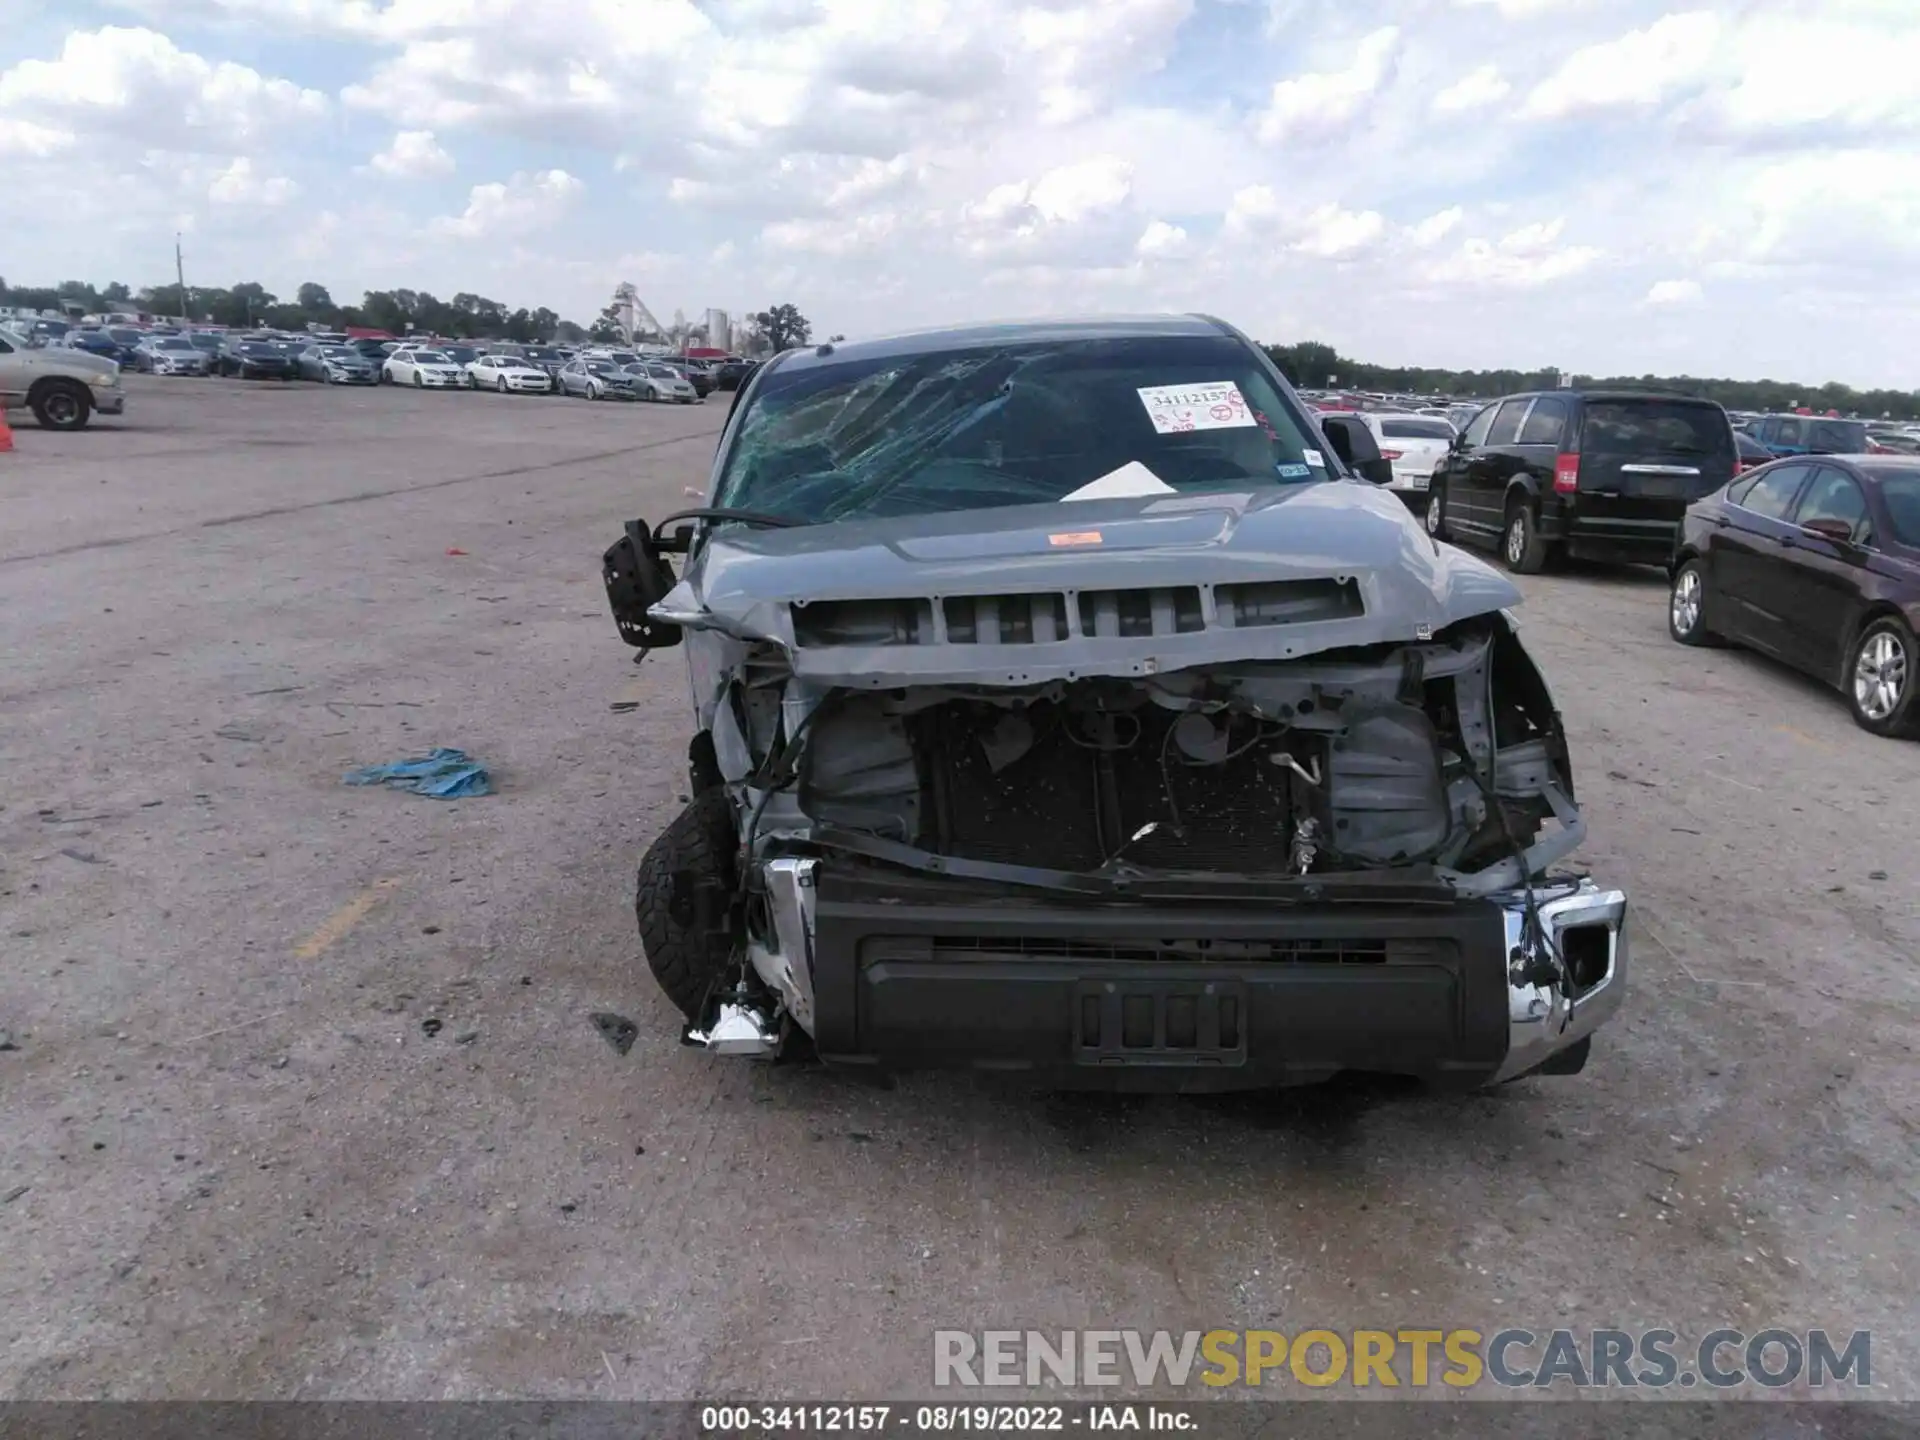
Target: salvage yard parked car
696,373
1066,706
548,359
599,379
1603,475
1815,562
1811,435
656,381
61,387
732,372
169,355
94,340
336,365
209,344
256,360
423,368
507,372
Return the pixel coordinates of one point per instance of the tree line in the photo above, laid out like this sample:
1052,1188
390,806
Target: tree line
1318,366
465,317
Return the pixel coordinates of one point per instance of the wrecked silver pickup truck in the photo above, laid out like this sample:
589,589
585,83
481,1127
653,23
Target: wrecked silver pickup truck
1067,704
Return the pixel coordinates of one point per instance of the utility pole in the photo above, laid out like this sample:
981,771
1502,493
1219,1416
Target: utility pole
180,274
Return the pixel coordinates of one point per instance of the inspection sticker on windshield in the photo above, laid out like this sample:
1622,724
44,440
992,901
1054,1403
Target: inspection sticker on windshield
1175,409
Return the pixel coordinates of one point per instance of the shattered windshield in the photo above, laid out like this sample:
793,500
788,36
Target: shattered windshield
1015,424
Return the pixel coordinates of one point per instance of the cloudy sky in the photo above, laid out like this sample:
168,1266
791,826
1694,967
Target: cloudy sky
1604,185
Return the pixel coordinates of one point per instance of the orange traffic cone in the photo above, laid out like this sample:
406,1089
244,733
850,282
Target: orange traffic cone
6,434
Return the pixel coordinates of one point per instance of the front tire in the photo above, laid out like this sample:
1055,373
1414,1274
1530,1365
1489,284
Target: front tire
501,384
1880,680
418,383
695,849
1521,546
61,405
1436,518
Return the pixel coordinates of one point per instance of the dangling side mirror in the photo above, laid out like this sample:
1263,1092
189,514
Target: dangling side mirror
638,577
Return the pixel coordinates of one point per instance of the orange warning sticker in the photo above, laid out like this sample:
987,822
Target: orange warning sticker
1075,537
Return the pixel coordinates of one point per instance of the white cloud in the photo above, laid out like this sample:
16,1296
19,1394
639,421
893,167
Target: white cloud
1475,90
1521,259
1824,76
25,137
1161,241
1436,227
518,206
1332,233
1674,292
413,155
1319,104
135,86
1252,211
881,164
1069,209
1080,49
1639,69
1073,192
831,237
872,180
1519,9
240,184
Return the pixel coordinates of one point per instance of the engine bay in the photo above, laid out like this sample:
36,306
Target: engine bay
1443,754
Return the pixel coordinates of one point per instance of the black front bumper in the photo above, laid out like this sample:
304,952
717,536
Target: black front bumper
1221,995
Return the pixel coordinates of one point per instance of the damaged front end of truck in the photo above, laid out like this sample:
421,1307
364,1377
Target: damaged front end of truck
1191,792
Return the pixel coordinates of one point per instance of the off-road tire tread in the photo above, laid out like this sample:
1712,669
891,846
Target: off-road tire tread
699,839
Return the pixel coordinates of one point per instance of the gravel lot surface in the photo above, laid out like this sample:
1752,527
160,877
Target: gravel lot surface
235,1164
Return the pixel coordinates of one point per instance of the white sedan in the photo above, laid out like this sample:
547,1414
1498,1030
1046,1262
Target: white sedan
422,368
508,372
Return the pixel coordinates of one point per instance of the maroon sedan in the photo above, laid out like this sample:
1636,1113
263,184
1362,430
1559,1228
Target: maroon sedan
1814,560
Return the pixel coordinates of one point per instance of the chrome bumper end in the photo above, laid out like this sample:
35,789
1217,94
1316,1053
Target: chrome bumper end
1585,929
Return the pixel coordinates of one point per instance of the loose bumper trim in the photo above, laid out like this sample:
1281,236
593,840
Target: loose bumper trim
1587,930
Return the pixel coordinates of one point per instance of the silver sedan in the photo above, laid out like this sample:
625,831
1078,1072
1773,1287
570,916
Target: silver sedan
662,382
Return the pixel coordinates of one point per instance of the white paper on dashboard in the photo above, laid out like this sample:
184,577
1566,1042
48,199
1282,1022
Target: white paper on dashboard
1132,478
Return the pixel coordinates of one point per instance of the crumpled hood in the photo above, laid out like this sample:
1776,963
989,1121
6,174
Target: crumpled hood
1277,573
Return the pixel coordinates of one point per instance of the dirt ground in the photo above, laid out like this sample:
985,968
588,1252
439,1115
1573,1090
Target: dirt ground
234,1164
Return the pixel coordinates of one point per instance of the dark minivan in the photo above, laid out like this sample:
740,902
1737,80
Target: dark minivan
1599,474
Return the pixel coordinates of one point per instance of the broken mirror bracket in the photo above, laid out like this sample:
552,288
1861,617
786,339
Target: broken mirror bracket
637,577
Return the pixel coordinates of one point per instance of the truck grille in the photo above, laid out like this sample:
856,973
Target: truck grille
1047,616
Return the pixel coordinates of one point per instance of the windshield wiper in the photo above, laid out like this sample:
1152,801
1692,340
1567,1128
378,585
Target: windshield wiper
727,514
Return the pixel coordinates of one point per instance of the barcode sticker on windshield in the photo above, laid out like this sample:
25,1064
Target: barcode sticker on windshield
1175,409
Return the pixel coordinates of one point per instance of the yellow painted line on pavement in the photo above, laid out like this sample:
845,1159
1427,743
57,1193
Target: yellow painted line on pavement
335,927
